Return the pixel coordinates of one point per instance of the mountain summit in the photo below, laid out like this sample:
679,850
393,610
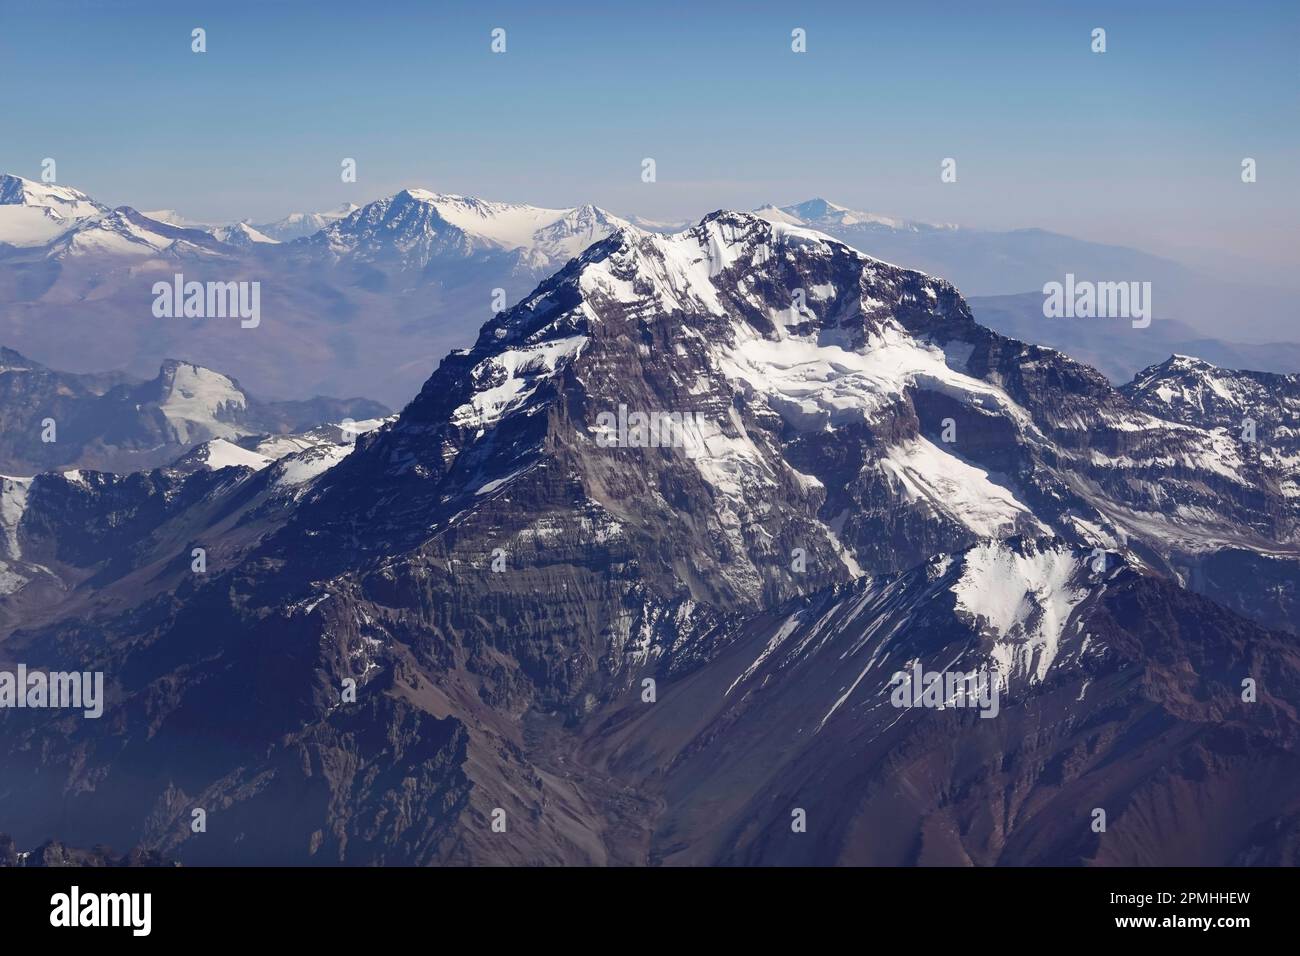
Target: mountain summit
32,213
639,570
416,226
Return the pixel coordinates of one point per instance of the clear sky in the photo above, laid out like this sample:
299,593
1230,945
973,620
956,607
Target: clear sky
1141,145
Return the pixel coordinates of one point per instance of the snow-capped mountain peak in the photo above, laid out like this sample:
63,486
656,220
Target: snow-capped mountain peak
517,225
1193,392
703,269
428,195
818,208
33,213
779,347
242,234
198,402
126,233
573,232
753,334
821,214
71,203
415,226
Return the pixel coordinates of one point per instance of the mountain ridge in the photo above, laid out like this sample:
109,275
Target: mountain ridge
421,284
499,571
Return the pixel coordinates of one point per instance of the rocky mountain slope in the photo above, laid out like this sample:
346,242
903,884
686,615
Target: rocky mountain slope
1194,392
1124,695
436,650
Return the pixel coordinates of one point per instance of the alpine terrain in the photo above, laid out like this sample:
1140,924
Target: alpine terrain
643,574
357,300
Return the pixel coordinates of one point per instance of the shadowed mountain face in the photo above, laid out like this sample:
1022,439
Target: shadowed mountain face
52,853
630,580
1132,707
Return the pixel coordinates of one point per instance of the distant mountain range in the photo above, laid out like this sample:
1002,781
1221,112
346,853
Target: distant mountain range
627,645
986,263
364,299
1119,350
299,224
979,262
112,422
364,304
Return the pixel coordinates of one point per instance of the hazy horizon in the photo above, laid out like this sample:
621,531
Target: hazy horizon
1138,146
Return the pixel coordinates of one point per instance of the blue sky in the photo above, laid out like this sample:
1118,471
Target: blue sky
1141,145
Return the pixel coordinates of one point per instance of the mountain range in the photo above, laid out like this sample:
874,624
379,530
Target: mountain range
365,299
516,624
51,419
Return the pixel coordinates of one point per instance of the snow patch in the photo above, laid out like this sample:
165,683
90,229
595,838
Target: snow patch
13,505
1024,599
922,471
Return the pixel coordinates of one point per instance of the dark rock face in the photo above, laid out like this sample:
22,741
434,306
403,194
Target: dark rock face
1257,413
437,650
54,853
1139,714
